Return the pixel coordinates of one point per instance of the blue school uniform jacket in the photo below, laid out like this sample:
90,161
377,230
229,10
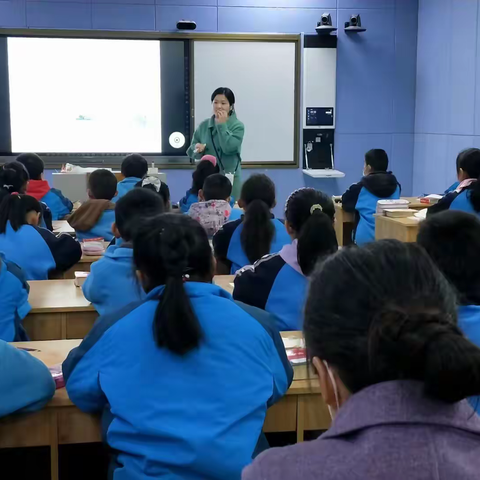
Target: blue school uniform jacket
362,197
25,382
228,246
469,323
102,229
58,204
187,201
37,251
275,284
454,201
14,305
112,283
192,417
125,186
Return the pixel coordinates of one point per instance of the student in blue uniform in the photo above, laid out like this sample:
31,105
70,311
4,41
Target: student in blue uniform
95,217
25,382
14,178
466,197
36,250
112,283
257,233
134,168
39,188
452,239
362,197
206,167
154,184
278,283
14,305
185,378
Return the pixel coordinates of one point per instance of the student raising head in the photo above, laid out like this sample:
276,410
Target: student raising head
36,250
134,168
257,233
39,188
14,178
362,197
278,283
164,369
154,184
206,167
213,209
112,284
466,196
95,217
381,327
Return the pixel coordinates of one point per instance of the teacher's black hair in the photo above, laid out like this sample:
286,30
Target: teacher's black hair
228,94
384,312
168,250
469,161
452,239
258,197
310,214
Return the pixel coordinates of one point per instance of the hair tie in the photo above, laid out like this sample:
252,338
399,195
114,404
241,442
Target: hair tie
8,187
315,207
151,180
14,193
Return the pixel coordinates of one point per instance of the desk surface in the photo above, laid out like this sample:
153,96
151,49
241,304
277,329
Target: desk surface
405,221
54,352
47,296
224,281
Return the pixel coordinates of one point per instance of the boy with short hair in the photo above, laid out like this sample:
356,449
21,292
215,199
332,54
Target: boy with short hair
362,197
39,188
213,210
112,284
95,217
134,168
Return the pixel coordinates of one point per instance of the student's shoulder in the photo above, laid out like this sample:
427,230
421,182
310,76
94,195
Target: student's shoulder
16,273
221,240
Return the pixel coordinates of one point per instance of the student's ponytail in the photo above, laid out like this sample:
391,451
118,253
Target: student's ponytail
399,323
258,198
469,161
14,209
168,250
310,213
13,178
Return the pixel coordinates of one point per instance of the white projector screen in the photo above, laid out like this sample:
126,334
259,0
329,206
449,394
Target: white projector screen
84,95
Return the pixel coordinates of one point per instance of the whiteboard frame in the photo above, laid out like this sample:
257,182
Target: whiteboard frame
170,162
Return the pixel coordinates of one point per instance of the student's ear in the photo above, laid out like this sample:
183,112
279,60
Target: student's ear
89,193
42,176
367,170
462,175
241,204
201,197
328,384
229,199
290,230
115,230
33,218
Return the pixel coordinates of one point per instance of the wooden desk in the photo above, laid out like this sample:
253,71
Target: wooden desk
225,281
62,226
344,223
59,311
62,423
403,229
415,203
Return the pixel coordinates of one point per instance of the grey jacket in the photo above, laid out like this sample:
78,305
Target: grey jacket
386,431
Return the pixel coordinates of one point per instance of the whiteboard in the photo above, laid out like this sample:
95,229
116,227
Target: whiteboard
262,76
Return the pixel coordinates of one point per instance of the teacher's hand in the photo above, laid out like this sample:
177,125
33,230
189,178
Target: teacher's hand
221,116
200,147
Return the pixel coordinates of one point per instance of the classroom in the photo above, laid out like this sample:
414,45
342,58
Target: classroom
239,239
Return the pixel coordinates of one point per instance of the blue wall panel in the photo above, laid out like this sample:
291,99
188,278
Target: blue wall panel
356,4
401,160
12,14
270,20
325,4
211,3
205,17
128,2
123,17
365,74
59,15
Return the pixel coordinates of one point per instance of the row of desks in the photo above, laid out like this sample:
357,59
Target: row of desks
61,423
403,229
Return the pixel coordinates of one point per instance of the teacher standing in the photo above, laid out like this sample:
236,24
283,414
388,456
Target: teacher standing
221,136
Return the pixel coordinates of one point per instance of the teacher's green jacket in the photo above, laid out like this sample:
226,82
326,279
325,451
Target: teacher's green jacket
228,138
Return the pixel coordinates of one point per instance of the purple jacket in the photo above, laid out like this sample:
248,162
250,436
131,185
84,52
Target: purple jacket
386,431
